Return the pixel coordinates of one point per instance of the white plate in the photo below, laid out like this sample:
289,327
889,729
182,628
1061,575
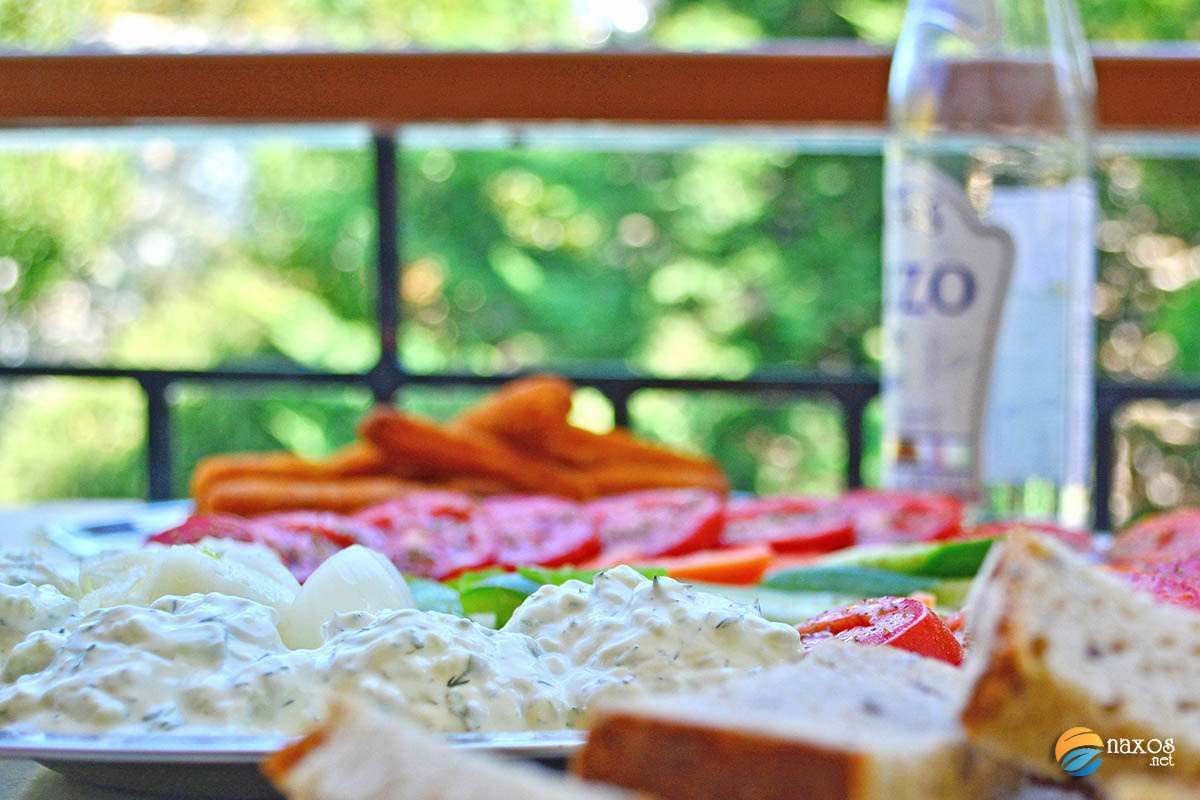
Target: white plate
220,766
124,530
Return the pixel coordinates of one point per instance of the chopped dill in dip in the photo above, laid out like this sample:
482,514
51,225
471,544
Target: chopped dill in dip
208,661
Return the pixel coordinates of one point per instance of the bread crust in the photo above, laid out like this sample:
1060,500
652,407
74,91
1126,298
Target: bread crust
1057,644
679,760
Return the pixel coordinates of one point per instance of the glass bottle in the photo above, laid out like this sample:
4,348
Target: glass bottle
989,257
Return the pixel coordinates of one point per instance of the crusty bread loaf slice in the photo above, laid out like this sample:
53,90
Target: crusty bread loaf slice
847,722
1144,787
1056,643
358,753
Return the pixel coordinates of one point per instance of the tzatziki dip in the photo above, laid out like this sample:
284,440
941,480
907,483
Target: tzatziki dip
218,637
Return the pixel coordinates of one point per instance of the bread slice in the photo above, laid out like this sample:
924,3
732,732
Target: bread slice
847,722
361,754
1143,787
1056,643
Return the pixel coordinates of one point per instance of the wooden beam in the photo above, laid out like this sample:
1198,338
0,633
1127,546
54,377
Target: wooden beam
843,85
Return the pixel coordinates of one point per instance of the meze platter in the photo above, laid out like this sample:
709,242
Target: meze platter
509,591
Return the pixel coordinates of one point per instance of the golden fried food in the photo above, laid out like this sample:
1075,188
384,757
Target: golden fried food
633,476
453,452
518,439
249,495
520,407
477,485
582,448
531,414
358,458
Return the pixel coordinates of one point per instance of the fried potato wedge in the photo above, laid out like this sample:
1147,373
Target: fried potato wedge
531,414
477,485
520,407
451,452
633,476
356,459
249,495
583,448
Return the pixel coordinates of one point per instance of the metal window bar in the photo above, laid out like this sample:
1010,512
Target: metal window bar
1137,91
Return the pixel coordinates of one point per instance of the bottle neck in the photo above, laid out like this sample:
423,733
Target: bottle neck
994,65
1002,26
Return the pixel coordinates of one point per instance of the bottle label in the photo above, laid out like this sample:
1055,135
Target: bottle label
946,275
1036,425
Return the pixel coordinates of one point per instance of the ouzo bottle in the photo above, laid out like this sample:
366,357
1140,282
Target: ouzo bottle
989,257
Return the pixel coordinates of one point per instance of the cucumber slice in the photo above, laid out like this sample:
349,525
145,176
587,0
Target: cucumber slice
434,596
957,559
791,608
951,594
498,596
859,582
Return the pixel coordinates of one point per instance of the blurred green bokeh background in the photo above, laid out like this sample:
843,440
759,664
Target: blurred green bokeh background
204,248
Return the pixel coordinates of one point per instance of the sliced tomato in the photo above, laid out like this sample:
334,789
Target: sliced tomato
880,516
902,622
546,531
431,534
401,511
203,526
1076,539
665,522
738,566
1177,584
304,539
1161,539
787,524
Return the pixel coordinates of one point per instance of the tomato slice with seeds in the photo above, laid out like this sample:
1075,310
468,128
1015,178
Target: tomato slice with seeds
787,524
431,534
1075,539
435,502
664,522
902,622
737,566
304,539
1160,539
881,517
1177,584
546,531
202,526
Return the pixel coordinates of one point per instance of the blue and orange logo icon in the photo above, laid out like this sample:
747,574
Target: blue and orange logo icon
1078,751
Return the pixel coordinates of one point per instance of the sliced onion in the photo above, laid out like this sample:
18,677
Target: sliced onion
233,568
354,579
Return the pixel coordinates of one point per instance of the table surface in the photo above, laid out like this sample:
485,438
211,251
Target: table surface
18,529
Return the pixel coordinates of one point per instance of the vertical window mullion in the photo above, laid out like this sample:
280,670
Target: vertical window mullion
386,378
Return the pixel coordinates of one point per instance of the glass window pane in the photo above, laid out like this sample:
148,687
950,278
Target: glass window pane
717,258
310,421
503,24
187,248
71,437
765,443
1148,284
1157,459
440,402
